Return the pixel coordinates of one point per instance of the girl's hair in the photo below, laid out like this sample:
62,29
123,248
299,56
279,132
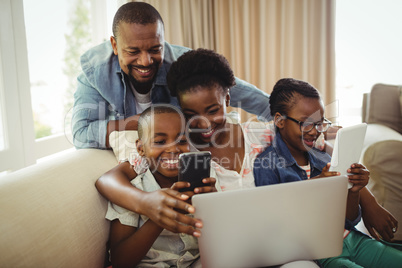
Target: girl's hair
144,121
201,67
285,94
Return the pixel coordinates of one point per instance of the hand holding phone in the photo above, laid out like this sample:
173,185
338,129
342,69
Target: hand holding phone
193,168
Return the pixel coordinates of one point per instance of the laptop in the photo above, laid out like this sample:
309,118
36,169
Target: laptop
348,148
272,225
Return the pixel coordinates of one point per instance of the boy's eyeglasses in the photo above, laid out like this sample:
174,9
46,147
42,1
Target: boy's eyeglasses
308,126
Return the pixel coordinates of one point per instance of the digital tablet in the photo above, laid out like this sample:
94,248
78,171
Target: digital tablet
348,147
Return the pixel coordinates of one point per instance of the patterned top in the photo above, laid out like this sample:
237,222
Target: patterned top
257,137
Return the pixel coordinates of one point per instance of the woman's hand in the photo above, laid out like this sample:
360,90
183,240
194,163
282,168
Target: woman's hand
207,189
379,222
360,177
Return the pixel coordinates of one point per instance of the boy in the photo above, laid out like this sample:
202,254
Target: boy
134,239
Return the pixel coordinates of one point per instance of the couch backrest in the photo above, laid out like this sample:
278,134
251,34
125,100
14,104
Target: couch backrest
385,106
52,215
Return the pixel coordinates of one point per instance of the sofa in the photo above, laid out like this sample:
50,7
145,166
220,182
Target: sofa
382,149
51,214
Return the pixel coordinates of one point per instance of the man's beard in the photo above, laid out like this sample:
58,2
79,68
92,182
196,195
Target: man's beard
140,87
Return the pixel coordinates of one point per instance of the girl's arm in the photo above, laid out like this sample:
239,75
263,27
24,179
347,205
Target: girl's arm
359,179
129,245
352,208
159,205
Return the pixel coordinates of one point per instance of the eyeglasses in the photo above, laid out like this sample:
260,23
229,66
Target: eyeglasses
308,126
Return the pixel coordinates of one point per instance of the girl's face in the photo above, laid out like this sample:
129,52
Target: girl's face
305,110
205,111
163,142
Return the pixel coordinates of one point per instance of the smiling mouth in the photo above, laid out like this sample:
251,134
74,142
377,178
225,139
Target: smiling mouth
208,134
170,163
143,72
309,142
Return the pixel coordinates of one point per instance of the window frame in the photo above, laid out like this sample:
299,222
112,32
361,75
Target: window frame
21,147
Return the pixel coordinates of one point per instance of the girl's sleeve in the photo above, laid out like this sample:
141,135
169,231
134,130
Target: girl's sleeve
350,224
264,172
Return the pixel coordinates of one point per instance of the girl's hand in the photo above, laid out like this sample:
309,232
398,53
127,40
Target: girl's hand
360,177
206,189
326,173
168,208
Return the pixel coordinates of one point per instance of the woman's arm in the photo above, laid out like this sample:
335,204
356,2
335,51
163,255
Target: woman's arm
129,245
159,205
378,221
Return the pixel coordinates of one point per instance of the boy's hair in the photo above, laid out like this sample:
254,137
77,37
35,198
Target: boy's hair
135,12
284,94
201,67
144,121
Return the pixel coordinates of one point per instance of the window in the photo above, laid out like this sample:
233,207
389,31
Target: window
40,46
368,51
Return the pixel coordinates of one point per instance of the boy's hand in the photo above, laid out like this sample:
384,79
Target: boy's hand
161,207
360,177
326,173
180,185
207,189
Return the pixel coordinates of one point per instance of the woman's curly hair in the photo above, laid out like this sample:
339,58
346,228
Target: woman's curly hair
201,67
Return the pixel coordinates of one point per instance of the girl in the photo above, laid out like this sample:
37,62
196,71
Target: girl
299,119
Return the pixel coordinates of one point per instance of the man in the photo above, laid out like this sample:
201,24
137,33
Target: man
123,77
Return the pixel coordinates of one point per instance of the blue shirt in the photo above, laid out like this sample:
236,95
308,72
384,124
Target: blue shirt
103,94
277,165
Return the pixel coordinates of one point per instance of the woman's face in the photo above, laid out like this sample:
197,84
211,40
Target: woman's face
205,112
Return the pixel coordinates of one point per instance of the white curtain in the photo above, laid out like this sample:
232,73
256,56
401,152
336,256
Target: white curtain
264,40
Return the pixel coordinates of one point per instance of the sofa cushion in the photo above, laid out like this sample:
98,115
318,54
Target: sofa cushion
384,161
123,143
52,215
385,106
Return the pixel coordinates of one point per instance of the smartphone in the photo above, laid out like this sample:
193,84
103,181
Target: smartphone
194,167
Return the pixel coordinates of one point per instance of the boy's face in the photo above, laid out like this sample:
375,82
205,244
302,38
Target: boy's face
205,111
305,110
162,143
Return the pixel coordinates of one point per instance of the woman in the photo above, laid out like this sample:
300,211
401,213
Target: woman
201,79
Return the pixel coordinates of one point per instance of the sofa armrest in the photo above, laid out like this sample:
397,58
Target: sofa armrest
382,156
52,215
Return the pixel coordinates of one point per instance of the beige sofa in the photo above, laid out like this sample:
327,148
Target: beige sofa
382,153
51,214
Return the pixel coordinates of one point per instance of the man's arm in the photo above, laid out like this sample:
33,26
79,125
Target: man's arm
251,99
90,123
90,116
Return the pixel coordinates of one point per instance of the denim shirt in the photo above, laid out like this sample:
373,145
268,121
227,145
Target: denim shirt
102,94
277,165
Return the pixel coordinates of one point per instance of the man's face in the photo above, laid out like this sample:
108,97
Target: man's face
140,51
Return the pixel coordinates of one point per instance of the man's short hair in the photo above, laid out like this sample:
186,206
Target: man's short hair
135,12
